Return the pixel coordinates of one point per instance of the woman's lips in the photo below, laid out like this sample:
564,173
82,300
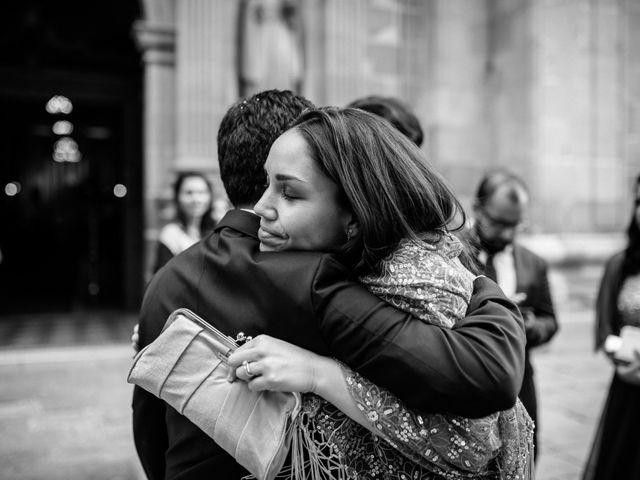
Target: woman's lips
271,239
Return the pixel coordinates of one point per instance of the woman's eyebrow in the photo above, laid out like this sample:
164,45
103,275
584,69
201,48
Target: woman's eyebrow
283,177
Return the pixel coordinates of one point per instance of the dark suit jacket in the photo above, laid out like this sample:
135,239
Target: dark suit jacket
532,279
305,298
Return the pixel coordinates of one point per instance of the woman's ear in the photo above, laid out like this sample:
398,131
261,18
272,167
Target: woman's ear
353,228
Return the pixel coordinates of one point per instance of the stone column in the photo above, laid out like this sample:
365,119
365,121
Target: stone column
577,113
157,44
629,19
509,73
346,30
458,134
206,82
314,17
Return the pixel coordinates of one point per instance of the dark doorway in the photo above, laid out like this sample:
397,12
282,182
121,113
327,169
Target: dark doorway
70,177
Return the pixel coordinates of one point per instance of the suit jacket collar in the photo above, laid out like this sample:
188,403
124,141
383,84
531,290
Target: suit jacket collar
520,267
241,221
526,271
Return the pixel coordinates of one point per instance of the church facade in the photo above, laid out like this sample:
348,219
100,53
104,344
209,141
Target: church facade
105,102
546,88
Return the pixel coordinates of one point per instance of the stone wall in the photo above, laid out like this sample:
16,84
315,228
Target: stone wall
549,88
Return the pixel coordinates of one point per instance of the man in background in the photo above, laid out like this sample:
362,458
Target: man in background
395,112
500,206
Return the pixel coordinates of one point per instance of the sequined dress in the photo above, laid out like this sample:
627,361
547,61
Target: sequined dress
427,280
615,451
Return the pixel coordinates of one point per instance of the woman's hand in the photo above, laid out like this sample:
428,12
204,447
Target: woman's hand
630,373
267,363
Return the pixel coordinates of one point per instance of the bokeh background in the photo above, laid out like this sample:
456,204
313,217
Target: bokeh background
104,102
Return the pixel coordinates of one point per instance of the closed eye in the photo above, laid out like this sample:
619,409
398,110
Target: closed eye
287,194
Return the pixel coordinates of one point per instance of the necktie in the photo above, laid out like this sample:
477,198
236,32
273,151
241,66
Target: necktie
490,269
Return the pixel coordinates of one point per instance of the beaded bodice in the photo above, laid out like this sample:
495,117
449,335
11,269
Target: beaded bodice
629,301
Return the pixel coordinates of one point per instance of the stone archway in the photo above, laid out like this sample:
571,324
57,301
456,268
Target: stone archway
70,240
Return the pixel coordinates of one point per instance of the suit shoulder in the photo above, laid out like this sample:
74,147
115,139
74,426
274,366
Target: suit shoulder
532,256
293,260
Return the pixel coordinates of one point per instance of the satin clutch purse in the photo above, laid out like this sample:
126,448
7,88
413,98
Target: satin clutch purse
186,366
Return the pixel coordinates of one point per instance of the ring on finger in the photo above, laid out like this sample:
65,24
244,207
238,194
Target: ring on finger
247,368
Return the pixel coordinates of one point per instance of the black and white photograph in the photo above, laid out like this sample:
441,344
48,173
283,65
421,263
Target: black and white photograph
320,239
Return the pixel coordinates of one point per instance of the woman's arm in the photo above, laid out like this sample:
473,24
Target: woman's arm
276,365
481,357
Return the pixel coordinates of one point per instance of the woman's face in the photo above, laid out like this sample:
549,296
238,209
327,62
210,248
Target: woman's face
300,210
194,197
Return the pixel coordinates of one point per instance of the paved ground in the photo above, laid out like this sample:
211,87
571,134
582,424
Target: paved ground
65,407
65,414
573,382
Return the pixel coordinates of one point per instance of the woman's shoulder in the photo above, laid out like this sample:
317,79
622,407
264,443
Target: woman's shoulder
613,265
175,238
440,245
170,228
450,246
617,258
170,231
426,258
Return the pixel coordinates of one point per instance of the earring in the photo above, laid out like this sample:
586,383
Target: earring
350,233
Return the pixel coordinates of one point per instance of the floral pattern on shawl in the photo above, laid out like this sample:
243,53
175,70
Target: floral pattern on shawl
427,280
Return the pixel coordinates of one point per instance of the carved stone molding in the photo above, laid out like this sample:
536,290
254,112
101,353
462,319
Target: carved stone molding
156,41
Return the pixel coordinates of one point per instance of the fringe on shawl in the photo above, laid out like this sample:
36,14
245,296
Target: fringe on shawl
314,457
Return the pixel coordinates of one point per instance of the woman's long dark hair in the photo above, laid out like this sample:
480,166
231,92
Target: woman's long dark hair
385,179
631,263
206,222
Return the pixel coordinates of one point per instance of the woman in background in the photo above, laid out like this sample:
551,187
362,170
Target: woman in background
193,203
193,200
616,447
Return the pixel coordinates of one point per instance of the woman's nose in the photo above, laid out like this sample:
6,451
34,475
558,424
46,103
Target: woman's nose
263,209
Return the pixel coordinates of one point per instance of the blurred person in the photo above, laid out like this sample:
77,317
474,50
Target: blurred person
395,112
308,299
193,203
615,451
334,166
500,205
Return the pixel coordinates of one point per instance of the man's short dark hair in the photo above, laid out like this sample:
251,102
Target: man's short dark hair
395,112
245,136
496,178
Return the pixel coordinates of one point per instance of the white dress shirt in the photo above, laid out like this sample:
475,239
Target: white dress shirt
505,266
